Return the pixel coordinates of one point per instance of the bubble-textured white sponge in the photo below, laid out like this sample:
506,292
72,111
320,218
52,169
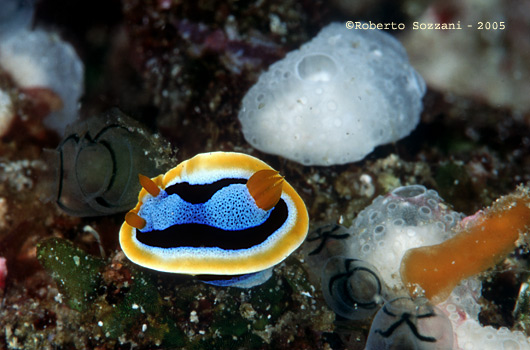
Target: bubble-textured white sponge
406,218
335,99
42,59
39,58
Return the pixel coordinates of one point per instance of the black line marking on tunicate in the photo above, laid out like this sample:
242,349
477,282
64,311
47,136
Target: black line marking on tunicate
406,318
343,278
75,138
325,235
99,139
79,144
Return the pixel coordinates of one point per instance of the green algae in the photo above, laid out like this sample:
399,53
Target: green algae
454,184
247,341
232,325
126,303
297,277
388,181
142,305
78,277
271,299
141,300
77,274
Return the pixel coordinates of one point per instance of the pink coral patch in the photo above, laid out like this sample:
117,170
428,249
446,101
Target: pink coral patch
3,272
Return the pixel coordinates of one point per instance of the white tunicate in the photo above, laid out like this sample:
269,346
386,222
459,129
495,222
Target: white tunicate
404,323
465,296
7,112
15,15
344,93
41,59
406,218
472,335
462,309
410,217
362,269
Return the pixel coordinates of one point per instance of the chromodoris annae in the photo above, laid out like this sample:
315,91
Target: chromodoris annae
219,213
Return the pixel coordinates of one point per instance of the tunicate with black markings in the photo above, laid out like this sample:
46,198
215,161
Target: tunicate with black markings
362,268
352,288
94,170
404,323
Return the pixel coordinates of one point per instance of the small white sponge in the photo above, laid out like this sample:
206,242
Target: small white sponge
335,99
37,58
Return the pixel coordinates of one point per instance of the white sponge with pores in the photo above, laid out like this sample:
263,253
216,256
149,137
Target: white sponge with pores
335,99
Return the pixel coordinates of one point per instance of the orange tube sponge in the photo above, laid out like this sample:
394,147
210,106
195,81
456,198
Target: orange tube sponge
435,270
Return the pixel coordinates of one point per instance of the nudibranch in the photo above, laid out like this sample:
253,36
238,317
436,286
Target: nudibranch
219,213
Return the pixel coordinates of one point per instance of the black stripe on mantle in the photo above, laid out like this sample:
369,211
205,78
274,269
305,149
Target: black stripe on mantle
196,194
200,235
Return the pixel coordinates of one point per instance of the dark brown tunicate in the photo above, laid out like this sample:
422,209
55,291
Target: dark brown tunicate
94,170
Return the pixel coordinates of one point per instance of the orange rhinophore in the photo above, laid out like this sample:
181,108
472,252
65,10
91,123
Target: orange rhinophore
437,269
149,185
134,220
265,186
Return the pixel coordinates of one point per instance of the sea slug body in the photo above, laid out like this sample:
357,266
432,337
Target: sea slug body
219,213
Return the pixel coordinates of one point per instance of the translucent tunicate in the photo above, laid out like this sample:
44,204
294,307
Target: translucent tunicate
15,15
407,217
404,323
316,68
94,170
409,191
376,98
352,288
326,239
38,58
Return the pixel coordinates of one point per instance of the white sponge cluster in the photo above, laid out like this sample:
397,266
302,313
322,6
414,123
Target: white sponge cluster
406,218
472,336
335,99
38,58
362,277
7,112
462,309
